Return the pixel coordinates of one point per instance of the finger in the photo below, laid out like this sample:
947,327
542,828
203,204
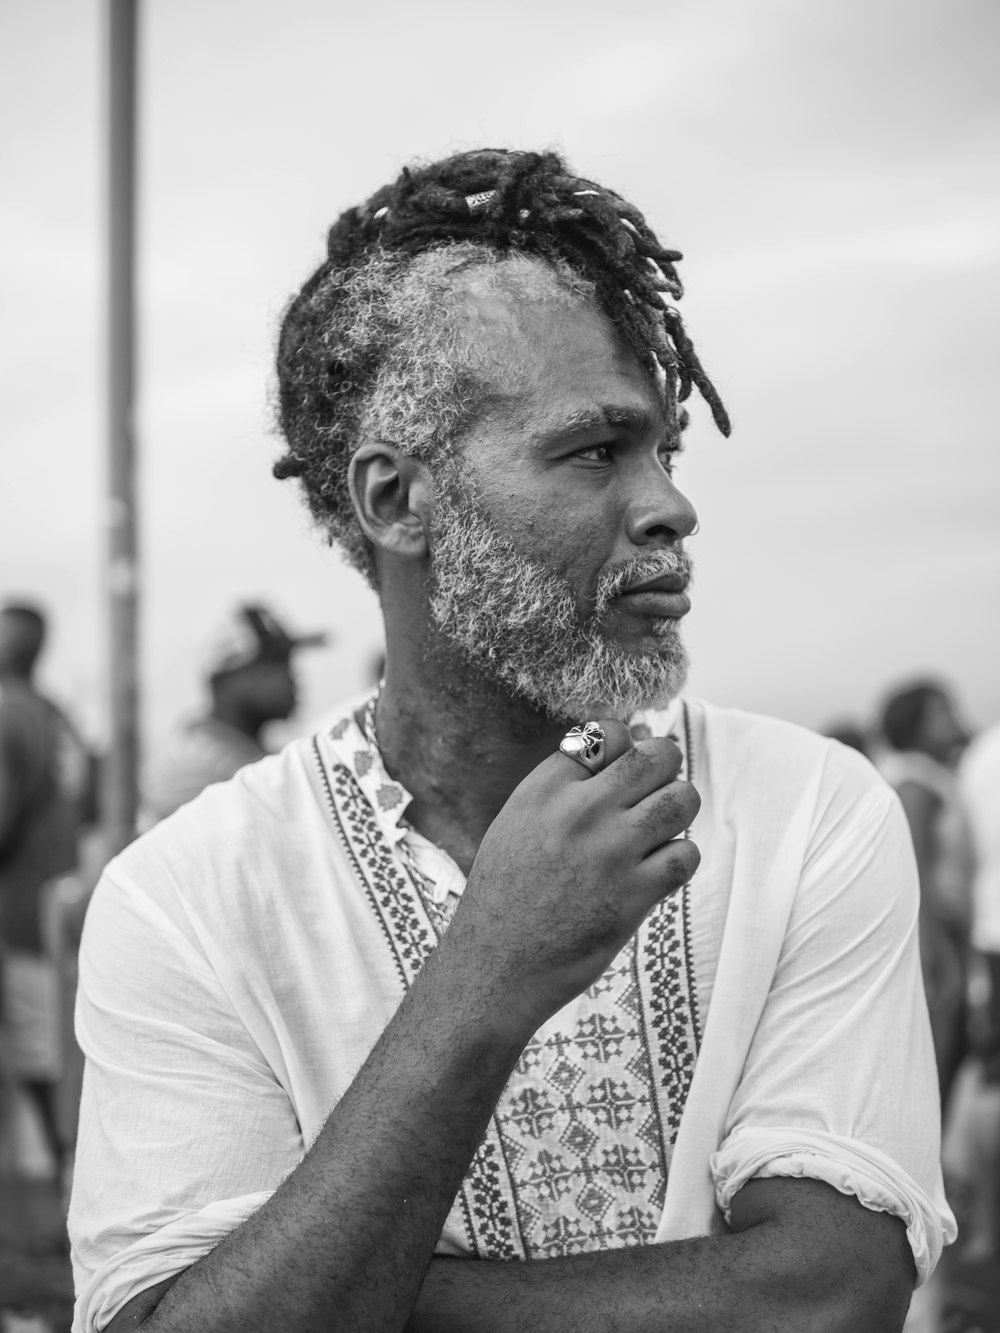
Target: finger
645,768
669,868
664,815
617,741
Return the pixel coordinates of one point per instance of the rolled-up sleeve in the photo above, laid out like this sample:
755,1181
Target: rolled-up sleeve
839,1084
185,1129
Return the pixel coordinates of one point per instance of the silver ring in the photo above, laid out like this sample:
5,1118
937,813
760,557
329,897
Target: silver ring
586,745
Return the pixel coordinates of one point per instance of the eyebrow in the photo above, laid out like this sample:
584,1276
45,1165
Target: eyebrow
602,416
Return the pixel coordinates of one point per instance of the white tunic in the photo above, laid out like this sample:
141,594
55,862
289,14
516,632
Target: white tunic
241,959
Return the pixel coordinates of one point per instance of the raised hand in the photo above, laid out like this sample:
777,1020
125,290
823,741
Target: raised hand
568,870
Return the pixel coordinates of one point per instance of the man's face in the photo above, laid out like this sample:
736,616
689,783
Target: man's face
558,506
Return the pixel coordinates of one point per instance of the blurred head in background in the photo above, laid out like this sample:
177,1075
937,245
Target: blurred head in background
924,717
248,669
22,638
250,672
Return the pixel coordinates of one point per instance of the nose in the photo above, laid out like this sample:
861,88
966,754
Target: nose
660,514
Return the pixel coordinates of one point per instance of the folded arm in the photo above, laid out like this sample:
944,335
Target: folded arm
799,1256
344,1242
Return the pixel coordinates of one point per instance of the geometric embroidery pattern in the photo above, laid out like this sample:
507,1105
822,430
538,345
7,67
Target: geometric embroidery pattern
483,1212
405,924
577,1153
588,1119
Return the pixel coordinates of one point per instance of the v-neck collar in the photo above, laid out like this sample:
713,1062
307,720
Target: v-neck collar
389,799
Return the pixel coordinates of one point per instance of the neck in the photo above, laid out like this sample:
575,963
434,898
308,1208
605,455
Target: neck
459,747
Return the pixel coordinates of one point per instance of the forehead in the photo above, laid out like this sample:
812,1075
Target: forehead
557,364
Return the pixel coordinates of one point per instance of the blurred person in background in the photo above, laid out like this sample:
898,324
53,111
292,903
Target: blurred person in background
438,989
251,682
46,796
972,1146
924,738
979,778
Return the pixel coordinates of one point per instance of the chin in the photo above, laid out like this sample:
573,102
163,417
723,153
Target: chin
632,692
657,638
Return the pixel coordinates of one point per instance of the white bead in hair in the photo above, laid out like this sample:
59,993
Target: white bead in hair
659,277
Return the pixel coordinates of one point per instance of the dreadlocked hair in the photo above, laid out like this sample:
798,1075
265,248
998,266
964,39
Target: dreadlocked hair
373,344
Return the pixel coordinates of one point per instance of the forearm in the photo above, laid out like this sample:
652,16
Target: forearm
345,1241
688,1286
775,1276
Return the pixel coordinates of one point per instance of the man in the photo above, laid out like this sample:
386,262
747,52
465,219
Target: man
44,793
439,1031
251,682
925,738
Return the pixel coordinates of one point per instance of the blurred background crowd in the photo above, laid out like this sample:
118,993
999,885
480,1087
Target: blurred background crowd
831,174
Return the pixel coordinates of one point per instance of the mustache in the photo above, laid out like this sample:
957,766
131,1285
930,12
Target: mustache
640,569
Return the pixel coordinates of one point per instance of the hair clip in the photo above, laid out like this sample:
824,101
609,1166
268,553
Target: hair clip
578,193
474,202
380,213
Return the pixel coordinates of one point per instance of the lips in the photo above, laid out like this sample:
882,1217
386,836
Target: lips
662,583
663,597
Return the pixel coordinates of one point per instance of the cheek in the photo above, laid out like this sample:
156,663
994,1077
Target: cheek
569,539
568,547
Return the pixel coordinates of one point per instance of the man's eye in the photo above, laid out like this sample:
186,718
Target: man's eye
595,453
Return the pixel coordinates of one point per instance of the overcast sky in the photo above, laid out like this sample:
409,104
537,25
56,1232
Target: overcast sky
830,172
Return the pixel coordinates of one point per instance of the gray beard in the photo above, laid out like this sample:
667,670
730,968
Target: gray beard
513,622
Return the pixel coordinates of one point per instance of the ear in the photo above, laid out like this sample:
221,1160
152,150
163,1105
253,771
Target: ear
393,498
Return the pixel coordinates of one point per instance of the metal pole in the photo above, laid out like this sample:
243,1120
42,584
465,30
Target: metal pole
120,787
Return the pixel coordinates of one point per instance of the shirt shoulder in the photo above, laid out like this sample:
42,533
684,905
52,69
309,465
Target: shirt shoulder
230,832
246,882
734,749
198,753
